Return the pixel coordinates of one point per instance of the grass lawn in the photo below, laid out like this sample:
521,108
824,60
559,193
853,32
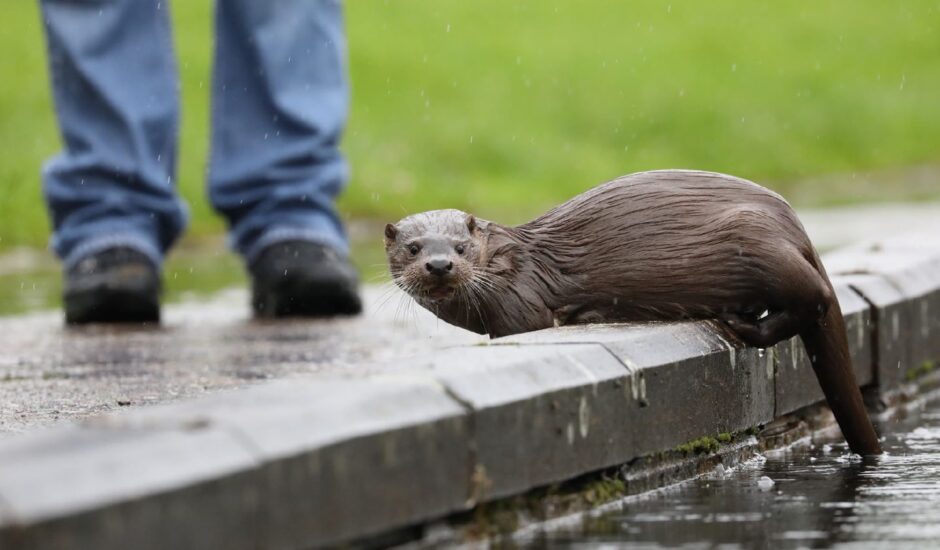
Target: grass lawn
508,107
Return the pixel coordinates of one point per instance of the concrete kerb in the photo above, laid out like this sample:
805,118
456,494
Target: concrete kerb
344,458
314,462
681,371
88,488
901,280
571,406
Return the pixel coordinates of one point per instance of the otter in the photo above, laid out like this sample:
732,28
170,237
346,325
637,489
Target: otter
663,245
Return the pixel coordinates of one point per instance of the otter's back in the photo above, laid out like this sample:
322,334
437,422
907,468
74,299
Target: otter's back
671,229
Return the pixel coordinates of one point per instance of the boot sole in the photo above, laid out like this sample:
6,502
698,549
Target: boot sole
113,305
294,298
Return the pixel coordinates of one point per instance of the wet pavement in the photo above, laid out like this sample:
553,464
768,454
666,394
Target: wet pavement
834,227
49,372
807,497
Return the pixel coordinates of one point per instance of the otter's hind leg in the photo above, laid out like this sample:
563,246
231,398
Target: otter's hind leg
764,332
802,296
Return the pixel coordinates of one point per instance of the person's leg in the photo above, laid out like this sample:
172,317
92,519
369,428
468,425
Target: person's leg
110,191
115,88
280,100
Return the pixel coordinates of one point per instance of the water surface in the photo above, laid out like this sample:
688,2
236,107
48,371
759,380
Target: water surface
820,497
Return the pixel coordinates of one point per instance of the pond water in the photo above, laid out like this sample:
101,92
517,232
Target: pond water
815,497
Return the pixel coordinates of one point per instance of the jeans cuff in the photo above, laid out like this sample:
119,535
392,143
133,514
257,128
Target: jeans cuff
129,240
273,236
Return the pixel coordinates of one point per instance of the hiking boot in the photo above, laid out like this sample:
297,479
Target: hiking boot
115,285
303,279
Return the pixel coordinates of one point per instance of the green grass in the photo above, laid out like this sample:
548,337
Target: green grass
505,108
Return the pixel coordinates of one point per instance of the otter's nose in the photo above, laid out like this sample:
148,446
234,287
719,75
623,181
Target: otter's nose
439,267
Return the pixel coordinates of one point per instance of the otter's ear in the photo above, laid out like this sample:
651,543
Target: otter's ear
391,231
471,223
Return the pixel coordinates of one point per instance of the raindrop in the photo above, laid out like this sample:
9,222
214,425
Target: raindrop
734,67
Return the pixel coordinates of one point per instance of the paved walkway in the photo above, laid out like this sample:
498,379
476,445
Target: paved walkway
48,372
830,228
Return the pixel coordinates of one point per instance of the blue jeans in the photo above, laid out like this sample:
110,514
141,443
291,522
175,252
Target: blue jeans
279,104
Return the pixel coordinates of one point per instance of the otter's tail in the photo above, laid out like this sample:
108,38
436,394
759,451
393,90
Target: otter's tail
827,345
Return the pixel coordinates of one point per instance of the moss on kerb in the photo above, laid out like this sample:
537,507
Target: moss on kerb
708,444
705,444
923,369
496,518
604,490
504,516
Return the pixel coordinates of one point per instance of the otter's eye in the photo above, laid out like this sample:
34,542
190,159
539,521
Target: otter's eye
413,249
459,249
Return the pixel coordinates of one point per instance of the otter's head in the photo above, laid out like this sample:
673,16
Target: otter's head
432,255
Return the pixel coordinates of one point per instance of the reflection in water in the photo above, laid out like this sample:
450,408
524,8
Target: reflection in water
820,497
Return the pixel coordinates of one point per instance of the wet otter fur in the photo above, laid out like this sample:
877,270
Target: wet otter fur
661,245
